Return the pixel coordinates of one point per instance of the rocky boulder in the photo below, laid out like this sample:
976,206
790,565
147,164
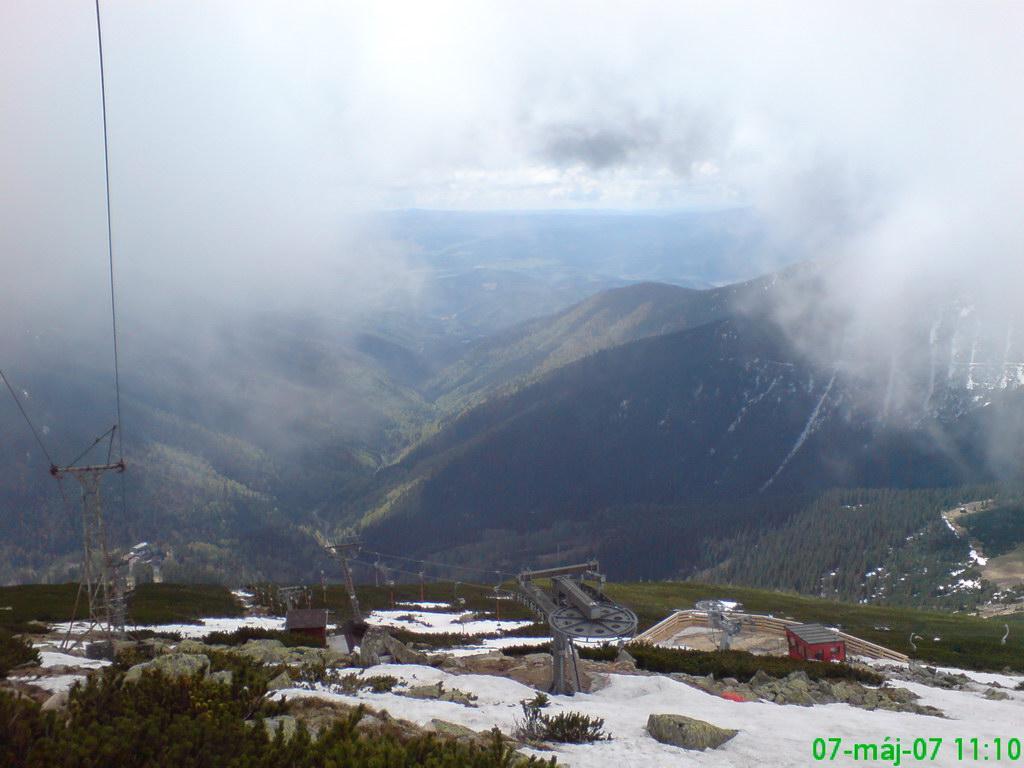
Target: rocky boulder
172,665
287,724
58,702
377,643
265,652
191,646
798,689
687,732
455,731
283,680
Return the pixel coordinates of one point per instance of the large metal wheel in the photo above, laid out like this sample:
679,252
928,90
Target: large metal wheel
611,621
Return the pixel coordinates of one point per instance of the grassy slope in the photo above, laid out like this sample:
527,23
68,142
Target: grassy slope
965,641
150,604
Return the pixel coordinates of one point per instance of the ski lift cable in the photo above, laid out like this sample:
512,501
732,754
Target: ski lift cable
110,232
110,433
39,439
31,426
489,587
441,565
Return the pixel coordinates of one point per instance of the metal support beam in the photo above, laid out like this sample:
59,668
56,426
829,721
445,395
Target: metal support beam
572,609
344,548
102,580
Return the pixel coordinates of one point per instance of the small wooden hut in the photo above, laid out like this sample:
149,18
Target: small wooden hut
815,643
308,621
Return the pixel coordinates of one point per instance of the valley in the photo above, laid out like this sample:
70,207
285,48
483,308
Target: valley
701,413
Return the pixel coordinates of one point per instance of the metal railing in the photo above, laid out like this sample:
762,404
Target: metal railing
680,620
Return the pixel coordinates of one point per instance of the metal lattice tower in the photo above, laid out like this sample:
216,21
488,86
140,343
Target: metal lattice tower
102,579
719,619
343,548
291,596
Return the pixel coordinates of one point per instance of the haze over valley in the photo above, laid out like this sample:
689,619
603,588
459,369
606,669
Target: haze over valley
512,284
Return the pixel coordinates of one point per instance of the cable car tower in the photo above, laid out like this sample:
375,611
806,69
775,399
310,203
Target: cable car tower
721,620
102,578
574,610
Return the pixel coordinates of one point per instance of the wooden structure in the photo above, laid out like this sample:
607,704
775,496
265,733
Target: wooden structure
308,621
662,632
815,643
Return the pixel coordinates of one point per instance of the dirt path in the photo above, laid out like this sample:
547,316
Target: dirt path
1005,570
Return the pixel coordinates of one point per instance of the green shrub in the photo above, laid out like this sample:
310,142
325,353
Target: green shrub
350,683
151,634
739,664
540,701
564,728
162,723
126,658
524,650
457,639
380,683
242,635
573,728
13,652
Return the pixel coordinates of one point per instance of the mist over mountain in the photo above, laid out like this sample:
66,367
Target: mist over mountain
729,409
377,265
265,414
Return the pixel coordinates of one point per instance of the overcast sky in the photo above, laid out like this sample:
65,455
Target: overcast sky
244,132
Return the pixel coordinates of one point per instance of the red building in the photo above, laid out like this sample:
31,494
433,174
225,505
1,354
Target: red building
312,622
814,642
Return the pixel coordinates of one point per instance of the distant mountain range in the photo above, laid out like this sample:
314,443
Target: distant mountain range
642,423
715,402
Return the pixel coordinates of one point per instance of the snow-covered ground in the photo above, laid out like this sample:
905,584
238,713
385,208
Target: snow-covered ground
769,734
430,622
49,659
205,627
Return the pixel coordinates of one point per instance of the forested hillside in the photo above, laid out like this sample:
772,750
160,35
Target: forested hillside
889,547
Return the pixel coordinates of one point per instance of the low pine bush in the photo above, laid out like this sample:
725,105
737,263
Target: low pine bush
13,652
162,723
739,664
564,728
242,635
573,728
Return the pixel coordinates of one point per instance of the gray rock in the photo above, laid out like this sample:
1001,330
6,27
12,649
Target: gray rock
899,695
58,702
433,691
281,681
335,658
871,699
173,665
285,722
995,695
458,697
452,730
223,677
687,732
377,644
265,651
761,678
798,696
191,646
313,656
